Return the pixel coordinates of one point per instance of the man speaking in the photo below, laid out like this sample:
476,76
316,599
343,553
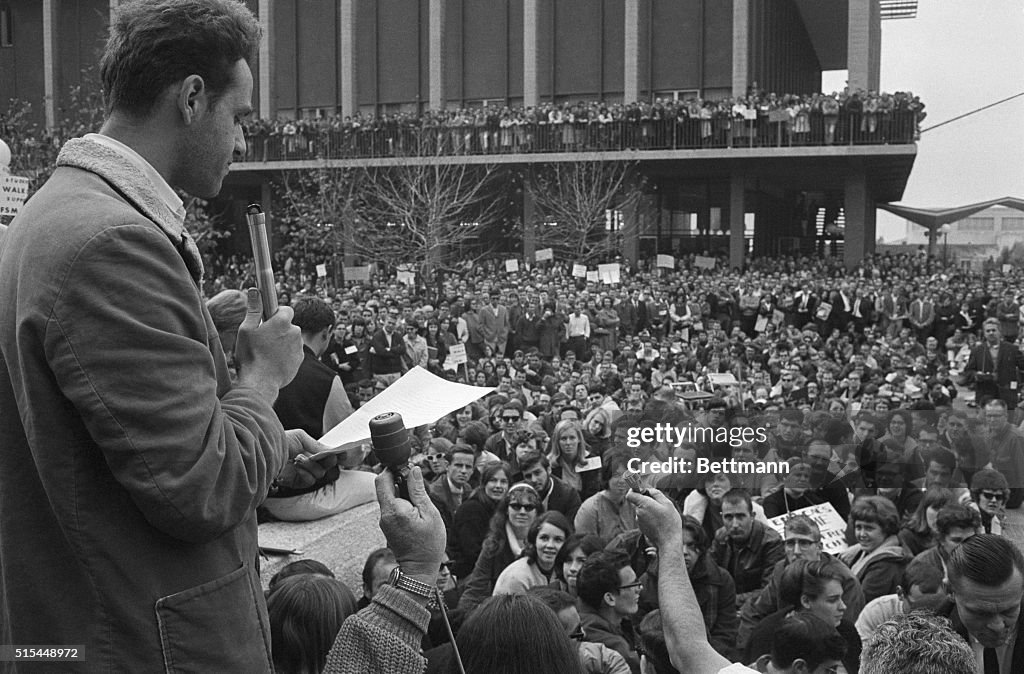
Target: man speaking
130,467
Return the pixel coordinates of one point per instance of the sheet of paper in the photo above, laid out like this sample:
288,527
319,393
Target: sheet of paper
419,396
579,270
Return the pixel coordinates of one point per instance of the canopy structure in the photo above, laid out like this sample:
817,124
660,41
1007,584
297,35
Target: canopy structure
933,218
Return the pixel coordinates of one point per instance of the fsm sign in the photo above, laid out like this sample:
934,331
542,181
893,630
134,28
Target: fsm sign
13,192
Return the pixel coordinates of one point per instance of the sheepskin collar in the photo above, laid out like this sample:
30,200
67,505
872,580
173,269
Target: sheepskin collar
133,184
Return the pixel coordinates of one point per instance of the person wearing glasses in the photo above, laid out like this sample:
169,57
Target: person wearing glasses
594,657
506,541
609,594
502,443
989,493
802,540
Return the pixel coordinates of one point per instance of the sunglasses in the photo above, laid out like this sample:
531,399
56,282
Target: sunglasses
437,457
579,634
993,496
510,419
528,507
445,566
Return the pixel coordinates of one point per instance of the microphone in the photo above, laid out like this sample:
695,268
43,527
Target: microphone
392,447
257,220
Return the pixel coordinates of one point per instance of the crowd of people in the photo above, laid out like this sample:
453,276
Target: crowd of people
758,119
153,407
889,392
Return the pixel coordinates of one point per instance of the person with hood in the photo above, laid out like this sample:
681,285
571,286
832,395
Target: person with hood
877,558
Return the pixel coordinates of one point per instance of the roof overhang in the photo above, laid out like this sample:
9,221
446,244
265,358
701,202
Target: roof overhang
930,218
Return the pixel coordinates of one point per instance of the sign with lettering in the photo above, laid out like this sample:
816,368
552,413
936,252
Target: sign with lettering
357,273
544,254
579,270
13,192
321,270
456,355
609,273
666,261
832,526
511,266
704,262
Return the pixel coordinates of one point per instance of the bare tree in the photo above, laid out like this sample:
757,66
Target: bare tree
423,208
315,208
572,201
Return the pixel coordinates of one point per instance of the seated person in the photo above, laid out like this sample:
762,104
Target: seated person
921,589
554,493
940,470
744,547
306,612
954,524
594,657
607,513
802,540
805,643
450,487
704,504
609,594
917,643
877,559
808,587
989,493
918,532
376,570
714,587
505,542
544,540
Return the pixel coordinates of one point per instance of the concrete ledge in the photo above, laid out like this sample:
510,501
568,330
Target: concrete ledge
341,541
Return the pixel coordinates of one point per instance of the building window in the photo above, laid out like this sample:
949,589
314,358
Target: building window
6,27
1013,224
978,224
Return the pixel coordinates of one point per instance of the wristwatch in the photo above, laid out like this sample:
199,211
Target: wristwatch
409,584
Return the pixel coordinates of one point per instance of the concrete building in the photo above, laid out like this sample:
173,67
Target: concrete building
323,57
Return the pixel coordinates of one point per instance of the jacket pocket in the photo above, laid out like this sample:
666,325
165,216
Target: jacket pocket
214,627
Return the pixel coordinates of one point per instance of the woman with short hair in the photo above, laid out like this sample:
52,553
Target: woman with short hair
878,558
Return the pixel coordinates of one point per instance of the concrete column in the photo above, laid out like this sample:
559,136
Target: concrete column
859,210
529,227
347,12
864,44
437,22
267,202
113,5
631,81
531,74
266,109
740,47
50,63
631,233
737,209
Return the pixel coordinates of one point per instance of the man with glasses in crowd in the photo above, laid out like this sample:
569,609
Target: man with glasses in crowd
501,443
801,540
609,594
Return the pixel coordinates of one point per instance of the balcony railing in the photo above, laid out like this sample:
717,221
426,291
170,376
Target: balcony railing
776,129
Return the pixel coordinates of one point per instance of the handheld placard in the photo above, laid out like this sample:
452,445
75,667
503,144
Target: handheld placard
261,256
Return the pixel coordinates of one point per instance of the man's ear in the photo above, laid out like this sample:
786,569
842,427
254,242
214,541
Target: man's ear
191,98
609,599
761,664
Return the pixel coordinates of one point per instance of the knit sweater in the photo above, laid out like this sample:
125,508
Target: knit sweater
383,638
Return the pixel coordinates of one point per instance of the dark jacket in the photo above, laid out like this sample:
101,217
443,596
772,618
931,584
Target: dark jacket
767,601
130,469
762,636
1018,644
561,497
995,377
470,529
387,360
495,555
620,638
447,504
749,563
591,481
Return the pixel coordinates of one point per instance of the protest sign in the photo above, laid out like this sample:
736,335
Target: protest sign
704,262
356,273
544,254
593,277
609,273
456,355
666,261
13,192
832,526
824,309
511,266
321,270
579,270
